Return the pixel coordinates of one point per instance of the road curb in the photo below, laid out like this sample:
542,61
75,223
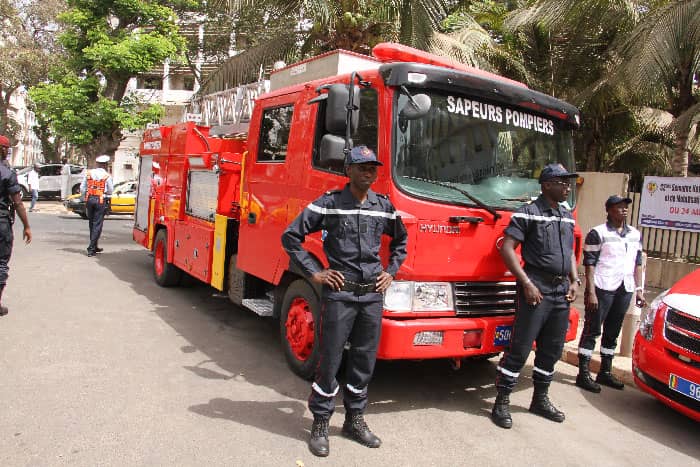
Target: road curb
620,365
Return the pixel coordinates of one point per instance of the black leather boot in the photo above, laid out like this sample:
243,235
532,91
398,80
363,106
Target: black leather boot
318,443
3,309
355,428
500,414
541,405
605,375
584,380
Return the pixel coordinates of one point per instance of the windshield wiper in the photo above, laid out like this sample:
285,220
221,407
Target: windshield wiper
476,200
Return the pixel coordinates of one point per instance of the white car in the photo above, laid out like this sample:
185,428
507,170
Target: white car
50,180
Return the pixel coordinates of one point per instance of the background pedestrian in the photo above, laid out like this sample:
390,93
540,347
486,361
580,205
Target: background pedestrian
33,183
95,190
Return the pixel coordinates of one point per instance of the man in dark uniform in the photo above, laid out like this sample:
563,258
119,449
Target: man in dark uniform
545,287
10,202
354,220
96,190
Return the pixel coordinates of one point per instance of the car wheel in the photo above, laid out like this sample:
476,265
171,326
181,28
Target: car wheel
300,320
83,215
165,274
75,190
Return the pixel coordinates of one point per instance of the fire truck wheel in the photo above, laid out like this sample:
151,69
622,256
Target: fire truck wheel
299,318
166,274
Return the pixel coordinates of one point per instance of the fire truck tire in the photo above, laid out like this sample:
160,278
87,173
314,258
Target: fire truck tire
299,330
165,274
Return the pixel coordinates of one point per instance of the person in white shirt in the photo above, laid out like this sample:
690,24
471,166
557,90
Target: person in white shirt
65,179
33,182
95,190
612,256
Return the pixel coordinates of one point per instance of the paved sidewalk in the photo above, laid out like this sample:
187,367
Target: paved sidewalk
52,207
622,364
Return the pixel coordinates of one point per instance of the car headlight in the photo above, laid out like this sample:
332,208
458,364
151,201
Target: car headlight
646,324
418,296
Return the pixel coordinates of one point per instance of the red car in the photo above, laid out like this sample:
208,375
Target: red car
666,356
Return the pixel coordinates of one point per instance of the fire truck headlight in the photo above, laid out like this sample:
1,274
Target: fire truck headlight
646,324
419,296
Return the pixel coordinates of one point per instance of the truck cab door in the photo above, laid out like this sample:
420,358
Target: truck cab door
266,189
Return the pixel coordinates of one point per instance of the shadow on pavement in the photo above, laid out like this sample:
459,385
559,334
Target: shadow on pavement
245,347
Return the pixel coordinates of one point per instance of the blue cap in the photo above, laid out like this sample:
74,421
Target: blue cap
362,155
551,171
614,199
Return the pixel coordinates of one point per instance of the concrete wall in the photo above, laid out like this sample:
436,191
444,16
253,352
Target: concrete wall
592,194
663,273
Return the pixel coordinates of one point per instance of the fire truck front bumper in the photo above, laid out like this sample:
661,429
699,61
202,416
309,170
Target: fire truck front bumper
428,338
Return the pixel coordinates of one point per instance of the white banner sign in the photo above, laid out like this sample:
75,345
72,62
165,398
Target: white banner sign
670,203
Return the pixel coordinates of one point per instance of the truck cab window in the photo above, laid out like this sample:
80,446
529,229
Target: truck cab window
274,133
366,132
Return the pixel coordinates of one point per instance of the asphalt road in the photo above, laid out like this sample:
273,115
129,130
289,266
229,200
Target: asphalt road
100,366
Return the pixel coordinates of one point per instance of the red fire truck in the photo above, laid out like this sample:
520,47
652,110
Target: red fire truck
461,148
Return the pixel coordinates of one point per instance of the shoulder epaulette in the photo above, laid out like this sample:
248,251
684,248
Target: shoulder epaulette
333,192
382,195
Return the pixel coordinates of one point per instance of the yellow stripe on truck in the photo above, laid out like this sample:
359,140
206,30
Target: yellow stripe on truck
151,222
218,260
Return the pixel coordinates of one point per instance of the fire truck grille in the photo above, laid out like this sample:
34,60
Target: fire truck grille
484,298
683,330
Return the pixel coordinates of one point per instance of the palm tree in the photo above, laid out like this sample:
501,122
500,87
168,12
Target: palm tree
657,63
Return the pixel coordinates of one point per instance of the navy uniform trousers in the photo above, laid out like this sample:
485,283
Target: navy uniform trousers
612,307
96,214
6,239
544,324
356,322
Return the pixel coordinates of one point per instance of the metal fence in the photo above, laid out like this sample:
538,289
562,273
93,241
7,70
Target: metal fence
675,245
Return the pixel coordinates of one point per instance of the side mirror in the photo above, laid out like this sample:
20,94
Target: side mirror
331,154
336,109
417,106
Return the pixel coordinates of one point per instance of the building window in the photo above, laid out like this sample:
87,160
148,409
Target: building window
150,82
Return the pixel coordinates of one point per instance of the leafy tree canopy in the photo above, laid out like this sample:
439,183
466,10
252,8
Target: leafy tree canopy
107,42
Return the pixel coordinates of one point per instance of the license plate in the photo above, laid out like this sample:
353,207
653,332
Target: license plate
685,387
502,335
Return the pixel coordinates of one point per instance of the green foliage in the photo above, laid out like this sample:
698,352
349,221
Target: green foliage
107,42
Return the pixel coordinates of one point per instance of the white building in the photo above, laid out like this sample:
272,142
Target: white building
28,148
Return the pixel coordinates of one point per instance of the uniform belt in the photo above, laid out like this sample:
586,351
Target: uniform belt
359,288
546,277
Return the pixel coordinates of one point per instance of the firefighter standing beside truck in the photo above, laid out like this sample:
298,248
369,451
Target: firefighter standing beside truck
354,220
96,189
612,256
546,286
10,202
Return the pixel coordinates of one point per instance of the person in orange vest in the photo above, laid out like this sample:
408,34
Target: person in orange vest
10,202
95,190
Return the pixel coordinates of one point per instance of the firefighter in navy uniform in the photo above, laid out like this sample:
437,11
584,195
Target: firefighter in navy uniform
10,202
95,190
355,219
546,285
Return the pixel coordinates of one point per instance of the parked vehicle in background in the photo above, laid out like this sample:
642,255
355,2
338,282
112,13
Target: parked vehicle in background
666,356
122,201
50,180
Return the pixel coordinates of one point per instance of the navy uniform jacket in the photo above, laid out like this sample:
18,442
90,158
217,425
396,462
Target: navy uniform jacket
353,238
8,187
546,236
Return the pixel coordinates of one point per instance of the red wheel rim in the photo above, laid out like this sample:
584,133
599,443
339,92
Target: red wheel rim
300,328
159,257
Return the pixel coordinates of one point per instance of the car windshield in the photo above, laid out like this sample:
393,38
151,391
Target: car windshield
493,152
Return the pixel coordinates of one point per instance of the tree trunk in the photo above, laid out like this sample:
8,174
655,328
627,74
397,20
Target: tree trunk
679,163
104,144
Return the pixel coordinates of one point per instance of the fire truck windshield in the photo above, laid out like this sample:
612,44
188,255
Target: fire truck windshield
493,151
